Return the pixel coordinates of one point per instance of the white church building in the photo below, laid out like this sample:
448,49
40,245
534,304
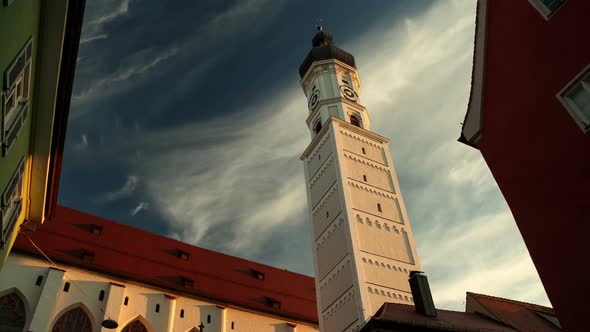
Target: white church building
78,271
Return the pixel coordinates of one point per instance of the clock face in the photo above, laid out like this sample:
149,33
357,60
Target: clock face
349,93
314,99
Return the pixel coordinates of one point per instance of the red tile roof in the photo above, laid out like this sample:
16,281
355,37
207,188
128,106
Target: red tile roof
397,316
520,315
133,254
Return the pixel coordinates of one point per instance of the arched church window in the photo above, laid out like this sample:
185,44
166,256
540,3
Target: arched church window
135,326
12,313
317,127
74,320
354,120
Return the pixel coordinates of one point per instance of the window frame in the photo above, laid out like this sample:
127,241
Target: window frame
11,208
12,118
543,9
582,78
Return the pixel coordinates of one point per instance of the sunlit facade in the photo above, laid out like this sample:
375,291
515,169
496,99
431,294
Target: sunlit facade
39,45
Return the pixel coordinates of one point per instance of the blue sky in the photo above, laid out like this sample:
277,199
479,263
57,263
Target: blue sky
188,121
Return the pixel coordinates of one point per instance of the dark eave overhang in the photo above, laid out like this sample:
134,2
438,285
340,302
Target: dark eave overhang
472,124
71,42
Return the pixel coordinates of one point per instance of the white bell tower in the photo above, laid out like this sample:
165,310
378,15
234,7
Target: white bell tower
363,246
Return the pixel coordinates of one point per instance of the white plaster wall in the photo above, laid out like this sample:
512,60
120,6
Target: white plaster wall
321,153
23,277
326,211
381,238
321,182
390,274
21,272
246,322
380,295
341,314
354,143
377,175
366,199
329,248
336,283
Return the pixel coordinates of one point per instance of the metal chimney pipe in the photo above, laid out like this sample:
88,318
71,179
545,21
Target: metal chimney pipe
421,292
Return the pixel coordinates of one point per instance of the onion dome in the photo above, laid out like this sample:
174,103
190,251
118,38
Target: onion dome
324,49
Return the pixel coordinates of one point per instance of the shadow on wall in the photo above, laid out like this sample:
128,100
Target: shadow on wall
157,309
210,316
282,327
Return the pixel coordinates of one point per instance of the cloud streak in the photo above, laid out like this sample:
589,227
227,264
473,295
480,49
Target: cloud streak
141,206
82,145
126,190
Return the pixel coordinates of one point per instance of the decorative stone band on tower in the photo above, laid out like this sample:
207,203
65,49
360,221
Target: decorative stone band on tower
363,246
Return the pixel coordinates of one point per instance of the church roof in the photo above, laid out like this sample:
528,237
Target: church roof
521,316
403,317
85,241
323,49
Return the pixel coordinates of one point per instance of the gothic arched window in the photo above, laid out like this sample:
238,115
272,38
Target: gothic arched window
75,320
318,127
355,120
12,313
135,326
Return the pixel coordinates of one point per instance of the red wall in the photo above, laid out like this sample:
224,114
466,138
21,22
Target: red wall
538,155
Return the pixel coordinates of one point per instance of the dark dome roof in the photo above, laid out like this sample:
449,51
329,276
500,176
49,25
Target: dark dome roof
324,49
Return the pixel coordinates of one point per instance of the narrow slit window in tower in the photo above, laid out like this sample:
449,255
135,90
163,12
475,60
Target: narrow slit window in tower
157,308
181,313
364,152
379,207
67,287
101,295
39,281
318,127
365,178
126,302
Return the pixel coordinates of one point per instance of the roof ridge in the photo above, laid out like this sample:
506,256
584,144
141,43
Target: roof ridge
502,299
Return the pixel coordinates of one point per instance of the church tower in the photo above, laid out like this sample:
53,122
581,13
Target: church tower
363,246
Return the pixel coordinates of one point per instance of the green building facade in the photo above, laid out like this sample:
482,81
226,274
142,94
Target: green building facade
38,47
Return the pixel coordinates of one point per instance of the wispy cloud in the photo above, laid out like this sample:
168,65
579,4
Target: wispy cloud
247,180
141,206
126,190
93,38
121,8
82,145
99,13
135,66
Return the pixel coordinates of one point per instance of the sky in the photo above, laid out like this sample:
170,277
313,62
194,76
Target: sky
188,121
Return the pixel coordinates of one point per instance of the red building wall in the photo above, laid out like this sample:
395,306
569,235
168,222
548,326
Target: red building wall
538,155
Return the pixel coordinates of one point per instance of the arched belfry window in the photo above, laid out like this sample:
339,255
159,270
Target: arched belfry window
135,326
317,127
74,320
354,120
12,313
